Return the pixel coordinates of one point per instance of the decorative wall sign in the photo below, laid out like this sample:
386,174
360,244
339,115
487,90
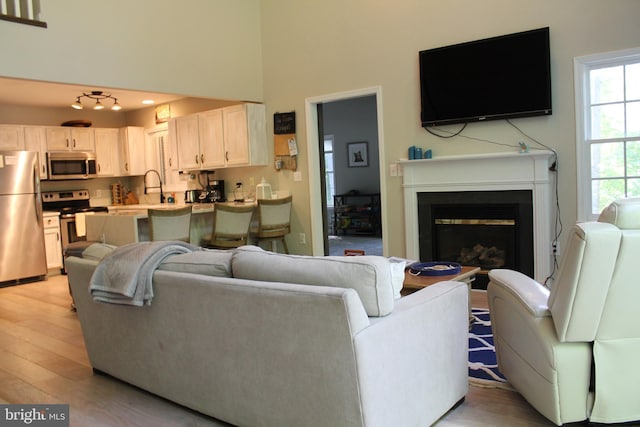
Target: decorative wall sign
358,154
284,123
284,139
163,113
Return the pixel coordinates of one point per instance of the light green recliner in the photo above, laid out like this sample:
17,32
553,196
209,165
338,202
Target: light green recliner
573,351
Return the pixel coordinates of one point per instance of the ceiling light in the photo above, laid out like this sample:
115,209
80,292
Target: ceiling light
148,102
98,96
77,105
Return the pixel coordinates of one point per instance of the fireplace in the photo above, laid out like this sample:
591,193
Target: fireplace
498,205
487,229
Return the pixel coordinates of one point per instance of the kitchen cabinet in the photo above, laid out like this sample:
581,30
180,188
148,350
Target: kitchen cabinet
70,139
11,137
52,240
170,144
245,136
106,141
132,153
35,139
211,135
225,137
196,151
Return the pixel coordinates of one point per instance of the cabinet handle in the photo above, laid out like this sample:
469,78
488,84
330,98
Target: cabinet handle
44,169
74,143
226,156
196,159
170,162
58,236
202,158
67,142
126,166
99,170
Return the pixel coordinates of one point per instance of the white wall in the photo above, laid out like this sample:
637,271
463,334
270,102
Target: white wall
353,120
313,48
208,48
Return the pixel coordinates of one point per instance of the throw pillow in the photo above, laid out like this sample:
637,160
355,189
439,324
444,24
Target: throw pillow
370,276
209,262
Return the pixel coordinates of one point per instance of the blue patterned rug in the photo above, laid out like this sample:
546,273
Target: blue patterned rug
483,367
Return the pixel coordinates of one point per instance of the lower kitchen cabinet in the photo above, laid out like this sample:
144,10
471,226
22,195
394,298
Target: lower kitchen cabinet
52,240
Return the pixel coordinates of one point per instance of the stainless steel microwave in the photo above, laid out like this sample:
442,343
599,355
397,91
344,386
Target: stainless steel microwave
72,165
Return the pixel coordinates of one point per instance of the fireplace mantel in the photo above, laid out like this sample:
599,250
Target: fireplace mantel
485,172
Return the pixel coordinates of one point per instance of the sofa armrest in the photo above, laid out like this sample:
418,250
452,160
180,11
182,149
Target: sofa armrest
530,294
418,353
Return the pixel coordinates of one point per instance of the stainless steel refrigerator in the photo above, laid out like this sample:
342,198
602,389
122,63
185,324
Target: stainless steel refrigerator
22,249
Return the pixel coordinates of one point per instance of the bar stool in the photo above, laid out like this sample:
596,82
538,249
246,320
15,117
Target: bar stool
274,221
170,224
230,226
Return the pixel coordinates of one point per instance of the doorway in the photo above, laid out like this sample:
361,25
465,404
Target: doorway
338,115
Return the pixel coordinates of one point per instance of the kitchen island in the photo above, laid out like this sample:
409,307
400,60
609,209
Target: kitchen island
129,223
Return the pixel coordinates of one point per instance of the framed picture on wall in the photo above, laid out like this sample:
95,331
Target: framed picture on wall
358,154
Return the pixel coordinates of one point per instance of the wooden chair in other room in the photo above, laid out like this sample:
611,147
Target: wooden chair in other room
230,226
170,224
274,221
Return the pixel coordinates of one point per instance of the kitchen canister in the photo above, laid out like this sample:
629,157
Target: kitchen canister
263,190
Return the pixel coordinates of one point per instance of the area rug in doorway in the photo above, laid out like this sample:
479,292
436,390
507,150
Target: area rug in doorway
483,367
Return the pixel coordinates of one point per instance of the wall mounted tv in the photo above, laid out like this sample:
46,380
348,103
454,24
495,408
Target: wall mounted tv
496,78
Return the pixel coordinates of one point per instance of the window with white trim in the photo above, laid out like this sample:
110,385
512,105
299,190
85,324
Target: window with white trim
329,174
608,129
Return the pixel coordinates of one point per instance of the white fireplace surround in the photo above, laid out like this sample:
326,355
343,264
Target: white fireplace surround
485,172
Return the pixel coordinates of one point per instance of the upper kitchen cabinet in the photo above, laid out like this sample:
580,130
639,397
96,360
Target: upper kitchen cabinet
211,138
132,154
196,150
107,151
11,137
225,137
245,136
70,139
35,139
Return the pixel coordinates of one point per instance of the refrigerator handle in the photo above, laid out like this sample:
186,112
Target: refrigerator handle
36,194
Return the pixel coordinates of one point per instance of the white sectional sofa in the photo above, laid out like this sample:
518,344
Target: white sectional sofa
256,338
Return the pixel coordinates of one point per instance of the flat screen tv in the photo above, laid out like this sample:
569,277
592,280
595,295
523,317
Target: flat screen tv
496,78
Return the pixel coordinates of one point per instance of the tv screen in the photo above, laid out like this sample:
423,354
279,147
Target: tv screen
497,78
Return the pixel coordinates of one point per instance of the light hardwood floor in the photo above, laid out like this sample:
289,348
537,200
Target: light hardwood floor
43,360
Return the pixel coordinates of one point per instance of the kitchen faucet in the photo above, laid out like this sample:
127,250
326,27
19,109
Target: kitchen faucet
144,181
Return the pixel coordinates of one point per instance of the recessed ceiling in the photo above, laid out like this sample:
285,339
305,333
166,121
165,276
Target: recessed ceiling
43,94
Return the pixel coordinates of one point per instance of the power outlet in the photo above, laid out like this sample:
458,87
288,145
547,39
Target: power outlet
302,238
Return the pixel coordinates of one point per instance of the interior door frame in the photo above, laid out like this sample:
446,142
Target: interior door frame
313,159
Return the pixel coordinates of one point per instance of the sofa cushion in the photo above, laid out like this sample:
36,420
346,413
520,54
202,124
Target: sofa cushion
370,276
209,262
97,251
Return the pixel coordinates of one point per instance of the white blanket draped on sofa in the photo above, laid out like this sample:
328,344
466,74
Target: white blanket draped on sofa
125,275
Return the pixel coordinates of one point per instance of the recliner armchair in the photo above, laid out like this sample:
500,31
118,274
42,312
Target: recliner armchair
573,351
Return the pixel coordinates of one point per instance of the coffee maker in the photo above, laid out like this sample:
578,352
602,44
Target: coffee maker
214,190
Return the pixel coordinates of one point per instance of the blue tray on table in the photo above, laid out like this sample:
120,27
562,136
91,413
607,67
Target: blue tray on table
436,268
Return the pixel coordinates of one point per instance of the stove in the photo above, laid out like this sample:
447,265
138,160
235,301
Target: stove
69,203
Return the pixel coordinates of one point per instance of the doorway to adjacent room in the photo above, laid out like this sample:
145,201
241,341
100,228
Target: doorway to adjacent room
348,161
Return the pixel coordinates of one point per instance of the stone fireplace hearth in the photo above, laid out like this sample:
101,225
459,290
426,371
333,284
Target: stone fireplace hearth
462,181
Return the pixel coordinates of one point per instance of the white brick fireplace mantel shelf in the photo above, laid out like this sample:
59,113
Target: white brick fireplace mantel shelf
485,172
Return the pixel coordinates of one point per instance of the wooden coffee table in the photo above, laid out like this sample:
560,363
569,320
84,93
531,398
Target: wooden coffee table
414,283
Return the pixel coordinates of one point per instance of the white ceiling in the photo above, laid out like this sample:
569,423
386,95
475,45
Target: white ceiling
44,94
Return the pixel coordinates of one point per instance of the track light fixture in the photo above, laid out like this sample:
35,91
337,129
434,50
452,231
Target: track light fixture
98,96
